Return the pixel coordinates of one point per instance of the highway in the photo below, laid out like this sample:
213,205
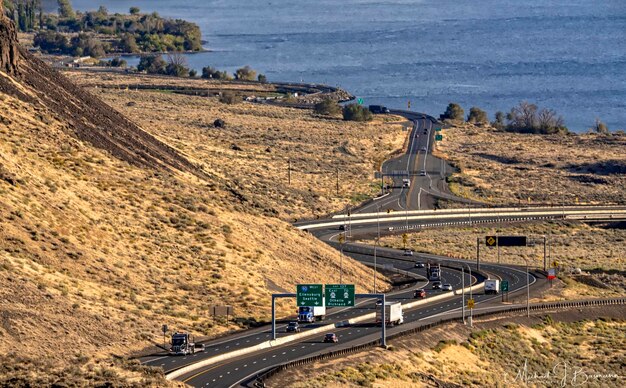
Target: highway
410,209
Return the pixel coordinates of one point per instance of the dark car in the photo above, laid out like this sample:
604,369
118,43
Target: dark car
331,337
419,265
199,347
421,293
436,285
292,327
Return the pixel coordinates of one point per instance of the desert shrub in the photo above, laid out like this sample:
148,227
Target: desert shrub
527,118
499,122
453,112
229,98
327,107
477,116
356,112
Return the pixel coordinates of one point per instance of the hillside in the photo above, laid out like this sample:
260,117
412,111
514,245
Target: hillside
107,232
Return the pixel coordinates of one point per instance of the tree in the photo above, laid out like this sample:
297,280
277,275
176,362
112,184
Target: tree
477,116
193,73
152,64
245,74
134,10
128,44
523,117
212,73
327,107
499,123
262,78
453,112
65,9
356,112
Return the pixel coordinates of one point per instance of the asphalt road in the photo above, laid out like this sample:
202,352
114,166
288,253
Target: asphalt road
232,372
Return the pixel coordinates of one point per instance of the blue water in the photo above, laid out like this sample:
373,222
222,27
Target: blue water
568,55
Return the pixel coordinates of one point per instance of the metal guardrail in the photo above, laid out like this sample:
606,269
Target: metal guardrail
259,381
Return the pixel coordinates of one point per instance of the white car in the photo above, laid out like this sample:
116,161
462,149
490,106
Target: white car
446,287
408,252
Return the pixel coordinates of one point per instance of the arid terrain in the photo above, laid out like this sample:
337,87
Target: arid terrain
495,352
508,168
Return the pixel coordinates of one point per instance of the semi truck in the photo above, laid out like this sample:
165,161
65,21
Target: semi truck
311,313
393,313
433,272
492,286
182,344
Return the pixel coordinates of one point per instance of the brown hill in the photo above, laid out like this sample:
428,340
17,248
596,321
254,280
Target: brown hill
106,233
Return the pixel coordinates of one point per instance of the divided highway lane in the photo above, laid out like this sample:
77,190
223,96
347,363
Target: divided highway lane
256,336
234,371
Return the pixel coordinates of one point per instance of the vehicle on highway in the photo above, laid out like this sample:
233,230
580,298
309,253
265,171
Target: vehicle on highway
378,109
407,252
422,173
447,287
436,285
182,344
393,314
342,227
406,183
331,337
419,265
492,286
423,149
292,327
421,293
199,347
311,313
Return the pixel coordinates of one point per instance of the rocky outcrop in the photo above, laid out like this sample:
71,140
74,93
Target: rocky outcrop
9,51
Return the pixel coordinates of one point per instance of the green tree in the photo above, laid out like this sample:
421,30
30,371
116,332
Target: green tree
152,64
453,112
477,116
65,9
245,74
128,44
212,73
356,112
134,10
327,107
262,78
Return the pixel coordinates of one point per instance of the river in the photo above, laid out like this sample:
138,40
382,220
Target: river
568,55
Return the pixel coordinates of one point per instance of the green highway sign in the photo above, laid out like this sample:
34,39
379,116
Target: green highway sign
309,295
504,286
438,137
339,295
360,101
438,129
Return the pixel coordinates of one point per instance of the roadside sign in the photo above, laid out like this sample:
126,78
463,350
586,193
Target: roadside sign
470,303
438,137
309,295
405,238
360,101
342,238
504,286
551,273
438,129
555,263
164,329
505,241
512,241
339,295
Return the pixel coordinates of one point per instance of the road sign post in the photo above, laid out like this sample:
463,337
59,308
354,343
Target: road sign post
164,328
274,296
504,288
438,137
360,101
470,304
339,295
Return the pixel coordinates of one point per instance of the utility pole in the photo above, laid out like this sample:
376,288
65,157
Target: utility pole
289,173
478,253
337,181
544,253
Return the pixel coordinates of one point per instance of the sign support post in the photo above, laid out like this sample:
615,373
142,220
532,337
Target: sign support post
274,296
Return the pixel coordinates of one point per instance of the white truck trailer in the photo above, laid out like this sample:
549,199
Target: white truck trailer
492,286
393,313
